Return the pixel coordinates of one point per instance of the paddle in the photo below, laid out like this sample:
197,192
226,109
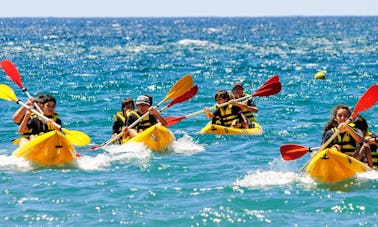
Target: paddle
188,95
367,100
270,87
12,72
178,91
294,151
75,137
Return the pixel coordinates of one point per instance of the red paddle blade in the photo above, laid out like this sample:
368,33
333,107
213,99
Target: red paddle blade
174,120
273,79
12,72
293,151
267,90
188,95
367,100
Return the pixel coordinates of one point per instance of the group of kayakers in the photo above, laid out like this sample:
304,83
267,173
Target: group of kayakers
231,110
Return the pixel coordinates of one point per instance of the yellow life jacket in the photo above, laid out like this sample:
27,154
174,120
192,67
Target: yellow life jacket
30,131
119,115
43,127
347,143
248,113
226,116
144,123
374,153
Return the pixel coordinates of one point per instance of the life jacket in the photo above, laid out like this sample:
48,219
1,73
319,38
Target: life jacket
144,123
374,158
347,143
43,127
29,132
248,113
226,116
119,116
373,149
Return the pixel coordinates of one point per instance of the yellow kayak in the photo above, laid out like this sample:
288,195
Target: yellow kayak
156,137
223,130
51,148
331,166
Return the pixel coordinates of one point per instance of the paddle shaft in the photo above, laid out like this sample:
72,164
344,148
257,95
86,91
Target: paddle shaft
220,105
30,97
119,135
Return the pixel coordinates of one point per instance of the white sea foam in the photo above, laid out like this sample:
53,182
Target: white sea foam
186,146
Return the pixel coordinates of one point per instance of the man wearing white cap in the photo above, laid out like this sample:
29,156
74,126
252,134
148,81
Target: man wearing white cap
143,104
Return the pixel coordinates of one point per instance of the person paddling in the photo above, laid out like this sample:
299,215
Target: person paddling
349,137
143,104
228,115
367,151
248,107
120,118
35,125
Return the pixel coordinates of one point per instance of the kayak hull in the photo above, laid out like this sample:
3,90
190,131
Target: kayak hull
222,130
51,148
331,166
156,137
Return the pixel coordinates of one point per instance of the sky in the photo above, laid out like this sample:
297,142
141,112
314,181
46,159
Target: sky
188,8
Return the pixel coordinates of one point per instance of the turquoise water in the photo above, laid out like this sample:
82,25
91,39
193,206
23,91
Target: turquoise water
90,65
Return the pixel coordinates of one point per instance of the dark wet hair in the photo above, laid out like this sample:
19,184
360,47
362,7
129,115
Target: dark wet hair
332,123
222,94
361,123
48,98
126,102
40,98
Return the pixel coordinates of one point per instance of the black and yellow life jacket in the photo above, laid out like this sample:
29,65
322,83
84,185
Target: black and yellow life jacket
226,116
43,127
373,149
347,144
144,123
40,129
119,116
248,113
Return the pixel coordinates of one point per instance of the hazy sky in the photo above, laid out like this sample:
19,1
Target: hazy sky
178,8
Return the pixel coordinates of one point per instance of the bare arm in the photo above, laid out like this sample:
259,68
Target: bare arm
23,128
161,119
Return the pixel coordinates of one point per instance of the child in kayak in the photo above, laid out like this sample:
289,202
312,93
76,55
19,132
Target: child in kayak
143,104
247,106
228,115
368,149
120,118
34,125
349,136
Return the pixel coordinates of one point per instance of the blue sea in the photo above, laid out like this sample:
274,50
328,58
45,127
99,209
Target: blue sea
91,64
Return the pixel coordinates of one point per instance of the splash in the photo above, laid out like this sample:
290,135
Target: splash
186,146
134,153
13,163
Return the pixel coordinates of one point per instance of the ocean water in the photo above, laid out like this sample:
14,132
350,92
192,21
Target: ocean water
91,64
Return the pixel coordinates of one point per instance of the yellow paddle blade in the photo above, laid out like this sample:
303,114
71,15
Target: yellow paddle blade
76,137
7,93
181,86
